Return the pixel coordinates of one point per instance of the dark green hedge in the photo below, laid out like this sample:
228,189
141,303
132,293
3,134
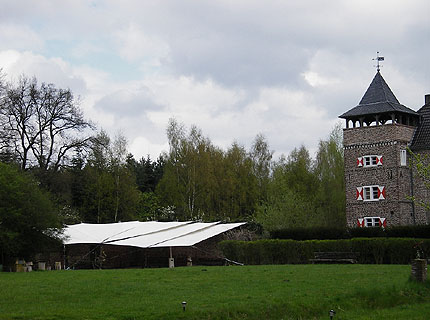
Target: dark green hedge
325,233
420,231
315,233
371,250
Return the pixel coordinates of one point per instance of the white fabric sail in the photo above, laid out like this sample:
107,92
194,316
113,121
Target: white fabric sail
149,234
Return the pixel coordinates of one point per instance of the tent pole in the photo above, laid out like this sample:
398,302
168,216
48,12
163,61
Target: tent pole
64,256
171,261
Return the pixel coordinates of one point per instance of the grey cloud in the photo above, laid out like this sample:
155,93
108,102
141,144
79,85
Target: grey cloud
128,103
246,45
235,62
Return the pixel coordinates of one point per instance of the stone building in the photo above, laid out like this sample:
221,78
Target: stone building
378,179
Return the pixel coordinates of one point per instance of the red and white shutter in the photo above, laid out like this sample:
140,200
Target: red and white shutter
360,223
381,192
379,160
359,161
359,193
383,222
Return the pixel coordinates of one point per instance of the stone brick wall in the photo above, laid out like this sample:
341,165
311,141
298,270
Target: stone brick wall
387,132
421,192
386,141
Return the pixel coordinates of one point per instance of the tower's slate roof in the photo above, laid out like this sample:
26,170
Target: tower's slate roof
421,139
378,99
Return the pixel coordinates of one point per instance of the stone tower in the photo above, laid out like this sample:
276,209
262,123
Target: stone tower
378,179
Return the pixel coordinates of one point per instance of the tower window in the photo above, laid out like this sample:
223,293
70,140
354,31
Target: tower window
369,161
372,222
371,193
403,158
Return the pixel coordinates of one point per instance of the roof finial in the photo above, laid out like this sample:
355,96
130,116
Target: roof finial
378,58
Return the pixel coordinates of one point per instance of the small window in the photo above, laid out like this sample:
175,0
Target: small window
371,193
375,192
369,161
372,222
403,158
366,193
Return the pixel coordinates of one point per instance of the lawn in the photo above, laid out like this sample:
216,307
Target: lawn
239,292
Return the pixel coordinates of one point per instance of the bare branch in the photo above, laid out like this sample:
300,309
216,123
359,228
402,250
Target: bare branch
42,123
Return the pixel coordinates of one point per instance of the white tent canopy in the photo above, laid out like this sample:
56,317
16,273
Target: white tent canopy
149,234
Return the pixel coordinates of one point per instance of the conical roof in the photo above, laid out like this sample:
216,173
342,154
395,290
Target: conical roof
378,99
378,91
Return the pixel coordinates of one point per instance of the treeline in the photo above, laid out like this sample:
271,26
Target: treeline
202,181
306,192
84,175
106,184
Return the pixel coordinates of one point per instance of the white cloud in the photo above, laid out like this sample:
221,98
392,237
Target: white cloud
19,37
9,58
187,95
288,118
135,45
142,147
49,70
316,80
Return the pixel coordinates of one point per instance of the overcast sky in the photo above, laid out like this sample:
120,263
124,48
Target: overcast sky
285,69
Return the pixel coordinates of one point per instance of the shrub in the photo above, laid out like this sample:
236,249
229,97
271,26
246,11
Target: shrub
372,232
319,233
333,233
370,250
418,231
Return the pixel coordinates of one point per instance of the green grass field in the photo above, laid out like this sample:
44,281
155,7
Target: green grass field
248,292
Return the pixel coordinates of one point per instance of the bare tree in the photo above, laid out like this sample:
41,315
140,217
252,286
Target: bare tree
40,124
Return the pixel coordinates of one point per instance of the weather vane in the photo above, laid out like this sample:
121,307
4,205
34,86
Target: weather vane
378,58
